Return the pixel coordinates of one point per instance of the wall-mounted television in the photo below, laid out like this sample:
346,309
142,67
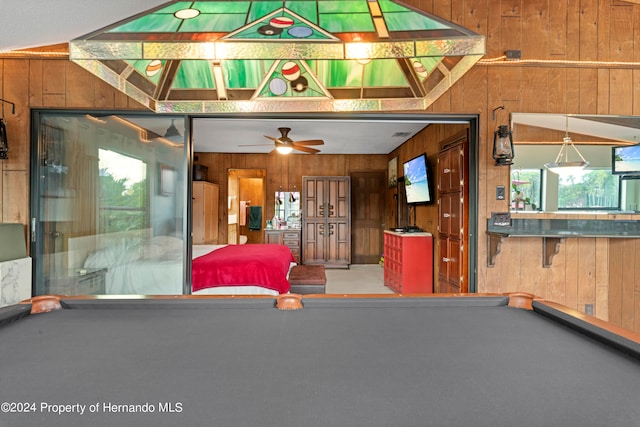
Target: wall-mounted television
417,181
625,160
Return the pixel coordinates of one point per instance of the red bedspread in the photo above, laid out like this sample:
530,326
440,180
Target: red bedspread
263,265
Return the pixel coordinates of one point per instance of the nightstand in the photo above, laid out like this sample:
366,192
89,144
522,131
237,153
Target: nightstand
81,281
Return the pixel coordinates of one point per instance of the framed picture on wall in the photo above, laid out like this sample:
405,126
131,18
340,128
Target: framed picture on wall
393,172
167,180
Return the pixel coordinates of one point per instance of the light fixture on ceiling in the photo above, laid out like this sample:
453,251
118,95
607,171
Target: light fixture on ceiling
284,148
4,142
503,152
280,56
172,133
562,164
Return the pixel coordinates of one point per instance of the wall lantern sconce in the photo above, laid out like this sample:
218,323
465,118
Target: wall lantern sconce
4,143
502,143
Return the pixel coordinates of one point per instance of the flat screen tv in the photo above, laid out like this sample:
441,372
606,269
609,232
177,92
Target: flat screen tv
625,160
417,180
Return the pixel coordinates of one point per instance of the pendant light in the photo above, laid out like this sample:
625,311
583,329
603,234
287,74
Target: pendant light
562,164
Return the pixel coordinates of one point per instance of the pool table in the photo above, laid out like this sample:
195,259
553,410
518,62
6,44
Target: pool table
314,360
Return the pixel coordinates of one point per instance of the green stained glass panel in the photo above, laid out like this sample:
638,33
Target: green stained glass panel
295,82
222,7
345,22
174,7
156,22
407,21
389,6
358,6
384,72
245,74
194,75
298,30
338,73
141,67
261,8
430,62
213,23
378,73
306,9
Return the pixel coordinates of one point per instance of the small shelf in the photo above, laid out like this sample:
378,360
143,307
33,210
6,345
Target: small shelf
554,231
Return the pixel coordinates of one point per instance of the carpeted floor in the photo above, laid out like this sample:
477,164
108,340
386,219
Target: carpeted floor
358,279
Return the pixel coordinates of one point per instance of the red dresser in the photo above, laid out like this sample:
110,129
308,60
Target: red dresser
408,262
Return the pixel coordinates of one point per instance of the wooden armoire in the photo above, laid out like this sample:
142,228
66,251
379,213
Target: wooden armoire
205,212
453,215
326,221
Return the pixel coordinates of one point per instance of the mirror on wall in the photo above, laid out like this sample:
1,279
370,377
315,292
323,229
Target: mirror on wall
538,139
287,210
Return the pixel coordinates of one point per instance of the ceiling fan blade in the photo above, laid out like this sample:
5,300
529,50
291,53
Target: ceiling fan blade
310,142
272,138
305,149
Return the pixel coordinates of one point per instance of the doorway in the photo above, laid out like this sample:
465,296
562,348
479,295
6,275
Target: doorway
367,216
246,204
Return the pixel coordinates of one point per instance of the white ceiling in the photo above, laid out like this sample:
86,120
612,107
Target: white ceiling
339,136
616,128
33,23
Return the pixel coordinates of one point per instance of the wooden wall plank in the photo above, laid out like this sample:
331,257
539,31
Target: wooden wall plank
535,21
15,206
621,89
36,70
18,131
601,309
53,84
588,95
604,31
629,260
588,30
586,272
558,28
79,87
603,92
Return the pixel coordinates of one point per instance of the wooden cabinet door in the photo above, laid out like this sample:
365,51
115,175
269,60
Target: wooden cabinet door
443,168
449,265
452,216
205,212
326,234
273,237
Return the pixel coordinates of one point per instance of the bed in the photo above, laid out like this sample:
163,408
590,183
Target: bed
153,266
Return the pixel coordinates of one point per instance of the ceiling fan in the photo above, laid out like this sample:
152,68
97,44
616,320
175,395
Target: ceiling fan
285,145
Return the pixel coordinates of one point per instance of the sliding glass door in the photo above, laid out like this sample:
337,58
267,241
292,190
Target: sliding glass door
108,203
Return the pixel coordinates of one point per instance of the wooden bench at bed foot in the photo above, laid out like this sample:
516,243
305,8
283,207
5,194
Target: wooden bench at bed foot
307,279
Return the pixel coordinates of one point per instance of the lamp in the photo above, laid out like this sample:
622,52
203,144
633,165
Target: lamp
566,166
4,142
262,56
284,148
172,133
503,152
503,146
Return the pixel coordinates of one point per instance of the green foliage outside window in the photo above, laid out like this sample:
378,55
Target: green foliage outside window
589,189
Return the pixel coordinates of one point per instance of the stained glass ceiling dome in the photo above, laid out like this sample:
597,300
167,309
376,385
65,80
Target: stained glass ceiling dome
214,56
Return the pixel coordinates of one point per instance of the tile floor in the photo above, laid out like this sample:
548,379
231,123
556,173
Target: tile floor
358,279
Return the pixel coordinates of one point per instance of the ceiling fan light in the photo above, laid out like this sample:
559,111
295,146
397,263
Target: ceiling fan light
284,149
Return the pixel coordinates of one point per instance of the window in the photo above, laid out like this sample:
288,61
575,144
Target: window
526,189
109,201
589,189
123,192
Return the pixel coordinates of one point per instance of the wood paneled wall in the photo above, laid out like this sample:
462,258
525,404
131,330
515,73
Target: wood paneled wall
284,172
557,30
